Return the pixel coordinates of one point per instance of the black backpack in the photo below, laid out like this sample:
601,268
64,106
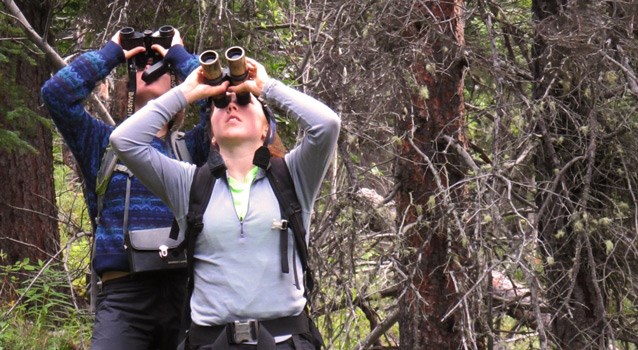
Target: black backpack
282,184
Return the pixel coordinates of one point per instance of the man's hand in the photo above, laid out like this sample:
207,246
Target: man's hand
127,53
177,40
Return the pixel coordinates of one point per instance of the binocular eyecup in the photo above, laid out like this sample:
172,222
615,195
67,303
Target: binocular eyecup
236,73
166,31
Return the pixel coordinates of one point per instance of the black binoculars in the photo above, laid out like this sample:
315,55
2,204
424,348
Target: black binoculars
129,39
236,73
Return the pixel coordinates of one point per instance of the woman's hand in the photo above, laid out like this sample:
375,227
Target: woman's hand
195,87
254,83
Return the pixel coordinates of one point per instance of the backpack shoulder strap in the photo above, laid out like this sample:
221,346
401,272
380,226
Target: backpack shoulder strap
102,179
178,145
200,192
109,161
284,189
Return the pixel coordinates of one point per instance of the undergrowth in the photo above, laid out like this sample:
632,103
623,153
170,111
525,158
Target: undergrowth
38,311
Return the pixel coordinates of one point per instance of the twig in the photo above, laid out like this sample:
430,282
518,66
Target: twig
379,330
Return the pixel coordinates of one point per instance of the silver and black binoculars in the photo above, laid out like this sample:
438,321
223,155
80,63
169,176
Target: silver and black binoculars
215,74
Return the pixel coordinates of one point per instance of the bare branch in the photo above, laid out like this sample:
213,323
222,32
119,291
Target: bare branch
53,56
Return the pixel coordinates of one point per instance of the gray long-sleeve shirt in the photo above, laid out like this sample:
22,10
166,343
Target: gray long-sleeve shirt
237,263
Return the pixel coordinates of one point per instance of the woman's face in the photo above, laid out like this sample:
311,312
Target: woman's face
236,124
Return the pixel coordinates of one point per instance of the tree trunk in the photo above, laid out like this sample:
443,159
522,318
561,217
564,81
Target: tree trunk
423,170
28,213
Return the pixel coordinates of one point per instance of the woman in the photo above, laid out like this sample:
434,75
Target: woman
237,261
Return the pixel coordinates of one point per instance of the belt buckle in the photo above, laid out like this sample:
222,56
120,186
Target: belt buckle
243,331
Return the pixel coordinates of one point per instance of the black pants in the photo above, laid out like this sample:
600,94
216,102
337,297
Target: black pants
140,312
286,345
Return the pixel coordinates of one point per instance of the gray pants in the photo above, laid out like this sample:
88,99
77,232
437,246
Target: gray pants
141,312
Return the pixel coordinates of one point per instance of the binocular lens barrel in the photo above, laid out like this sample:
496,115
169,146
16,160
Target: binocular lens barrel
215,74
236,61
209,60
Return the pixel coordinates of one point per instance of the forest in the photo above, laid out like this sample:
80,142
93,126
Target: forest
484,190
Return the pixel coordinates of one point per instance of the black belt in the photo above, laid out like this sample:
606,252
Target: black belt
238,332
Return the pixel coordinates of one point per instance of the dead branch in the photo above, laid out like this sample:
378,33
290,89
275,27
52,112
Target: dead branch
53,56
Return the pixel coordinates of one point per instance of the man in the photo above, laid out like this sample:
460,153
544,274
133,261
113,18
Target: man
141,310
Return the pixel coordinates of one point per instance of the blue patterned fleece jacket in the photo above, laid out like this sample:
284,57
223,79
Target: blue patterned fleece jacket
88,137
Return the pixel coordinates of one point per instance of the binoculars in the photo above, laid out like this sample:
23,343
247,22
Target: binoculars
129,39
236,73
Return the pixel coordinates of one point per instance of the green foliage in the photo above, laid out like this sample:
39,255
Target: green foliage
69,193
74,217
18,122
67,14
11,141
40,314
